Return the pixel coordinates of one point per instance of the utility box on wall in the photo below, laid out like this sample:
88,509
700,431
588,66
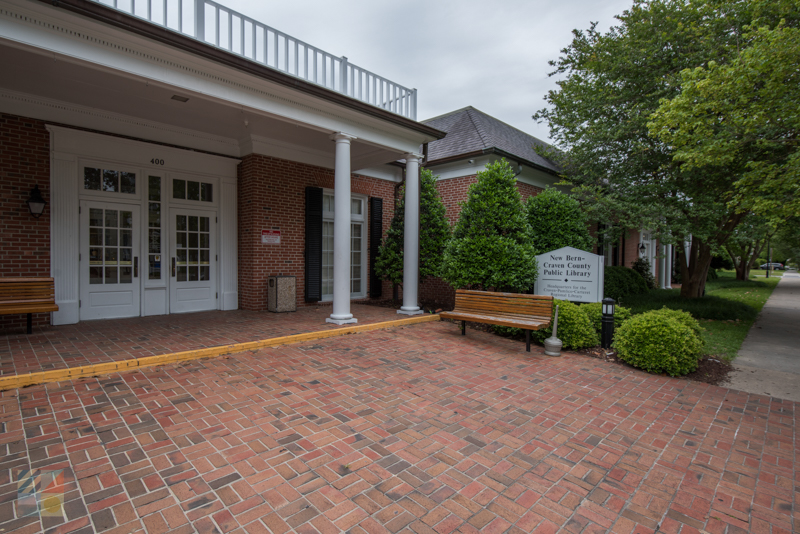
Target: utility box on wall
281,293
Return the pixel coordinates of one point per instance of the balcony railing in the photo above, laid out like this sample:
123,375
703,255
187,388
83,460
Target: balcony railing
215,24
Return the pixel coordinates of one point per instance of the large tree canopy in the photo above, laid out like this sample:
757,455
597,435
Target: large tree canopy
612,84
743,116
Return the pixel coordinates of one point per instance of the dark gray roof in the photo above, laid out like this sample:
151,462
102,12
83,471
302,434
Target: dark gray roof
470,130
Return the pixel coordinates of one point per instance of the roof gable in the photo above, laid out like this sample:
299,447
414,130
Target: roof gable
470,130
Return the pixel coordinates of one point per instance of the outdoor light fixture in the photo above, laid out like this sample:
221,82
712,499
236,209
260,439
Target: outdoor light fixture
36,203
642,249
180,98
607,332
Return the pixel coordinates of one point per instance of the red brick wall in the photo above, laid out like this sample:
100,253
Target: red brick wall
272,196
24,240
631,247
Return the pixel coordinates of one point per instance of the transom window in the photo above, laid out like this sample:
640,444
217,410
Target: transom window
191,190
109,180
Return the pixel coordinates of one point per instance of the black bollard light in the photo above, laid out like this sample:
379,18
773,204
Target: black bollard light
607,330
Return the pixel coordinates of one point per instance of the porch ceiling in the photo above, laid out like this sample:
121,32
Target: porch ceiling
85,85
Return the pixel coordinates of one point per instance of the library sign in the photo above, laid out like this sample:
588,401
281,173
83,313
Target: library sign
570,274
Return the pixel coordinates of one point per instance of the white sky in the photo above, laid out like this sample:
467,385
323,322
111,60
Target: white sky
488,54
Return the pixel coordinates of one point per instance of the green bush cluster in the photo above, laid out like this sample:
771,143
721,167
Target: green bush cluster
643,267
575,330
594,311
660,341
558,220
621,282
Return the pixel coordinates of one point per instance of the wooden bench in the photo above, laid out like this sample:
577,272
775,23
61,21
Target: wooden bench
27,295
529,312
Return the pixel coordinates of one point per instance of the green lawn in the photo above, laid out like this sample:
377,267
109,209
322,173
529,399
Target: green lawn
726,312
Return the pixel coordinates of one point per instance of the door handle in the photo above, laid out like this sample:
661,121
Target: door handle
173,266
136,267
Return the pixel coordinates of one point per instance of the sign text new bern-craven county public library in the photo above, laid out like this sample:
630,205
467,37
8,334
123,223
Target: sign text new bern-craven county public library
570,274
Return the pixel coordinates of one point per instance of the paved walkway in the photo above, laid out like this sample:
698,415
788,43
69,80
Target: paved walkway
769,360
93,342
408,430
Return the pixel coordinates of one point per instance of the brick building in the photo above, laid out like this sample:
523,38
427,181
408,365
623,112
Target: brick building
475,139
188,153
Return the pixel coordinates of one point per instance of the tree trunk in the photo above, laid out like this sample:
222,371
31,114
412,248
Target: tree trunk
694,269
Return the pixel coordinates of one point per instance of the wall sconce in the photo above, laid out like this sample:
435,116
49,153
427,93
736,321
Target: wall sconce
642,249
36,203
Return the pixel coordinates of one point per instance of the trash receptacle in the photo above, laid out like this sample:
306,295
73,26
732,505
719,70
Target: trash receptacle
281,293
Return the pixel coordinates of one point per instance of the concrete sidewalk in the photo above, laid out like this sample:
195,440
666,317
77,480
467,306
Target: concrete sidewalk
769,360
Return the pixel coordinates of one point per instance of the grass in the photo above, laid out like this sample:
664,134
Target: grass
727,312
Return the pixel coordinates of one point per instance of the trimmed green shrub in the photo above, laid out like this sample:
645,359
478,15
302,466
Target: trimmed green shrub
434,232
575,330
621,282
557,220
491,248
658,343
712,275
643,267
594,311
683,317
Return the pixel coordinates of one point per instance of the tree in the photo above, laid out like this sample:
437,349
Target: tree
749,239
492,246
434,232
743,116
599,117
557,220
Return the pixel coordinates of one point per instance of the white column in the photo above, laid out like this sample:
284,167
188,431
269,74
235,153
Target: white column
662,265
341,232
411,238
668,271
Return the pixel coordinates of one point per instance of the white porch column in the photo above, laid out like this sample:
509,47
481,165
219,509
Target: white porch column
411,238
668,271
341,232
662,265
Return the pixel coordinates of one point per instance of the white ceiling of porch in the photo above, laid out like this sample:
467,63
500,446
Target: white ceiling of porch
54,78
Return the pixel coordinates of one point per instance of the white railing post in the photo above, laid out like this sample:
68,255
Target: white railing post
343,76
413,114
200,20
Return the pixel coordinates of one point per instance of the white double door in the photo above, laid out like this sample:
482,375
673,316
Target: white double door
114,269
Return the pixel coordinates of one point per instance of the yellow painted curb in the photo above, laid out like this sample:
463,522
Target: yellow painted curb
42,377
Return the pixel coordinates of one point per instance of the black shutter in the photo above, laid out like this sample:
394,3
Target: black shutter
313,244
375,235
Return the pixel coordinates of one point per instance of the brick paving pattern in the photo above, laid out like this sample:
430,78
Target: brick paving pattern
92,342
413,429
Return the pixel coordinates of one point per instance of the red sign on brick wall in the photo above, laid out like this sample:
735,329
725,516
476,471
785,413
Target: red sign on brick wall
271,237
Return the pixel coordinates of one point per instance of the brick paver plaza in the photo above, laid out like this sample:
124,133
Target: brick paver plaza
414,429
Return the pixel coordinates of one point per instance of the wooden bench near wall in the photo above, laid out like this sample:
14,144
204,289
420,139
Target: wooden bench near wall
27,295
528,312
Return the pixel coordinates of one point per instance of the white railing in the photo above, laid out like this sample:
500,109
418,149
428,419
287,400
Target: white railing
215,24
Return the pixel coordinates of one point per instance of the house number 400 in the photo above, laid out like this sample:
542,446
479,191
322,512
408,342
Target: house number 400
156,161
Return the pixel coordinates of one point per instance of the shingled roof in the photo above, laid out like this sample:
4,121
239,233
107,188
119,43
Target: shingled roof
472,132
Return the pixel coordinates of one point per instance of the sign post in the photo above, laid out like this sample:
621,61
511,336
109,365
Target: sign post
570,274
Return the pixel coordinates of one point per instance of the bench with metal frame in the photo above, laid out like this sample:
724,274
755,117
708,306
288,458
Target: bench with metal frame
27,295
528,312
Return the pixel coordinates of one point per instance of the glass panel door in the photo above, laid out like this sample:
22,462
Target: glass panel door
193,261
109,266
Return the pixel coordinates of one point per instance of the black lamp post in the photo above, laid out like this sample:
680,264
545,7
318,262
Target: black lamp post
607,330
36,203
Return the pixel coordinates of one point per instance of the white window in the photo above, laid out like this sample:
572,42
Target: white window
358,246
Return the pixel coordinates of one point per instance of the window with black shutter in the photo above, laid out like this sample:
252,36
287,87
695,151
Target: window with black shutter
313,244
375,235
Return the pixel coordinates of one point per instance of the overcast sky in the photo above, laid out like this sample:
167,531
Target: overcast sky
490,54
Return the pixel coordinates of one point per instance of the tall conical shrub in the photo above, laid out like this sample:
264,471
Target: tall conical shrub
491,248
